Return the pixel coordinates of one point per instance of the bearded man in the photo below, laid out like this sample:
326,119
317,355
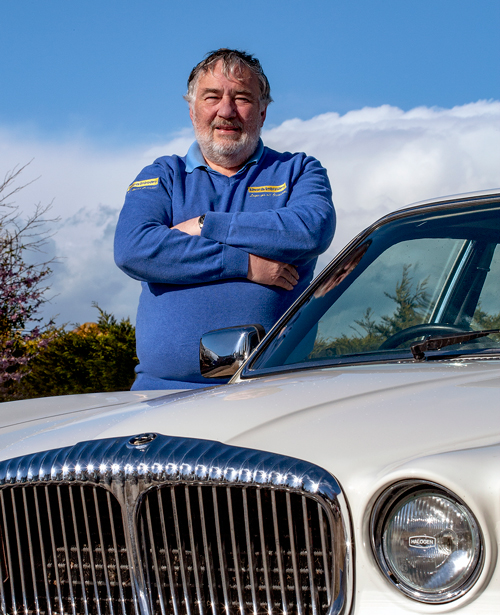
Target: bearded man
228,234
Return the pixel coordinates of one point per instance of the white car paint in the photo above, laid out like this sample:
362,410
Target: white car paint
367,425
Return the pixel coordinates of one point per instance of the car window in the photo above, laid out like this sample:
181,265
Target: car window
404,287
431,274
487,312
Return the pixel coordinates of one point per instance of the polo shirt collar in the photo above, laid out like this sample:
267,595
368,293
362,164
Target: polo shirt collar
195,160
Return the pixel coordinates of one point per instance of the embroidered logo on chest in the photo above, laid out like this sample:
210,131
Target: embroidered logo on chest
267,190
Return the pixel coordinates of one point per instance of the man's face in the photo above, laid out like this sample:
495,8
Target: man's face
227,116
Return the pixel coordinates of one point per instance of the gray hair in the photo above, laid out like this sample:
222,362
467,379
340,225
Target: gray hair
233,62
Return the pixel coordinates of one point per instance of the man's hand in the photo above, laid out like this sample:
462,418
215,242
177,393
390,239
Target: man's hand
191,227
273,273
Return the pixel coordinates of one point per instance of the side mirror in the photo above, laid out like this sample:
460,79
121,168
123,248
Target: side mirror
223,351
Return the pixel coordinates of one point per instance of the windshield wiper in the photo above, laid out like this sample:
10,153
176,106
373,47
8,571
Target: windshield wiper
419,349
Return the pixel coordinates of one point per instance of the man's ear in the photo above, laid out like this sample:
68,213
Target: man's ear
191,112
263,113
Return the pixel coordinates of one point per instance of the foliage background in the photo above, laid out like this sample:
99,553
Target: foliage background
91,358
37,358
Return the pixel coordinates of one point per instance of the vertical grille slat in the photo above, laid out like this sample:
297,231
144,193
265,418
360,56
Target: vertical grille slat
2,576
156,567
109,596
172,584
150,565
66,552
91,537
250,552
194,554
263,553
235,550
180,552
56,581
19,553
9,555
293,553
279,554
84,600
116,553
90,551
222,571
326,564
32,559
310,558
209,567
42,550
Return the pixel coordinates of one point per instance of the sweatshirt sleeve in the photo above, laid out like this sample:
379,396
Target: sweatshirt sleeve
148,250
295,233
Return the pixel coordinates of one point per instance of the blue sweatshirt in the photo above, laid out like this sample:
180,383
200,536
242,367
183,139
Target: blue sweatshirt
277,206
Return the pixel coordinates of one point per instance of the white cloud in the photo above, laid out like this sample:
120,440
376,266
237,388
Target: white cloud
87,187
381,159
378,159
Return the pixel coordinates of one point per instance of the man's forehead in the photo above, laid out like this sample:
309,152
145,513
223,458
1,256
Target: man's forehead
241,79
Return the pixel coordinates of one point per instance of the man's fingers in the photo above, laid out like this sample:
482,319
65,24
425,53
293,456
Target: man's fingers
290,276
292,270
284,283
272,273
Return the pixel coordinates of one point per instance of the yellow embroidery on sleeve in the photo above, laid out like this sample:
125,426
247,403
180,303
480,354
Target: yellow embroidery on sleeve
145,183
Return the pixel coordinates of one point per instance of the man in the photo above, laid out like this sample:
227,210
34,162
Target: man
228,234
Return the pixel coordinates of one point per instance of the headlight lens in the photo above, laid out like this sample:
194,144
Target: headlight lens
426,541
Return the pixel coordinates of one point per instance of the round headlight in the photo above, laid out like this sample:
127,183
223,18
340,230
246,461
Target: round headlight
426,541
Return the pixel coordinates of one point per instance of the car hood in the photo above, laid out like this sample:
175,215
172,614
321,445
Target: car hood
378,415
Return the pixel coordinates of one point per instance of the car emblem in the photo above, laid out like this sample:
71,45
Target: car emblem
142,439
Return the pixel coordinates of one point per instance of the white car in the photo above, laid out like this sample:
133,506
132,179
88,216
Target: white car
350,466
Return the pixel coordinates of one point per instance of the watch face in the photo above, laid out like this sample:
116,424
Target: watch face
201,220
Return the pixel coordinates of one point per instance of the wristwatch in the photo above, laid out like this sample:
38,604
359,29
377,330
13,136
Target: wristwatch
201,220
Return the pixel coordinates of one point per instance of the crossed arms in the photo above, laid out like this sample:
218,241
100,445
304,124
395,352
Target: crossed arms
261,270
264,247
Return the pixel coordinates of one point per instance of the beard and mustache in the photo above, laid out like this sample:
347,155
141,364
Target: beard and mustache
229,150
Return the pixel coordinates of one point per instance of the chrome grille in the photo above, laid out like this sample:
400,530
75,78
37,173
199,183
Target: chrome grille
235,550
166,525
64,551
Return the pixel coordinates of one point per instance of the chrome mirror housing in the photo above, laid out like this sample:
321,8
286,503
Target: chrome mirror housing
223,351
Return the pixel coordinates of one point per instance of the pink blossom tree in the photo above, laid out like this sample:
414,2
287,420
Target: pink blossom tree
22,282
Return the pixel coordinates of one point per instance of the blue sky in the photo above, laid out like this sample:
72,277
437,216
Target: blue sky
399,100
116,70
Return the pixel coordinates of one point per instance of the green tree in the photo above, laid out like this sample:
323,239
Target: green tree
482,320
410,302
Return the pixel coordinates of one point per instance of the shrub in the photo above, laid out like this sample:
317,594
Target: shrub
91,358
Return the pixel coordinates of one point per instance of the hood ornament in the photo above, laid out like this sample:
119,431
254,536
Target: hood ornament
142,439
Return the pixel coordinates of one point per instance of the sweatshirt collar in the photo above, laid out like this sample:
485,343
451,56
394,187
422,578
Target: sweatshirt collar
195,160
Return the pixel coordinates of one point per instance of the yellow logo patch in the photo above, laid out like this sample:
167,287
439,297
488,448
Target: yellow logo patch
263,190
145,183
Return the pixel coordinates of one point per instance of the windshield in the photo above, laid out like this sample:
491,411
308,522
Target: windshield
432,273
